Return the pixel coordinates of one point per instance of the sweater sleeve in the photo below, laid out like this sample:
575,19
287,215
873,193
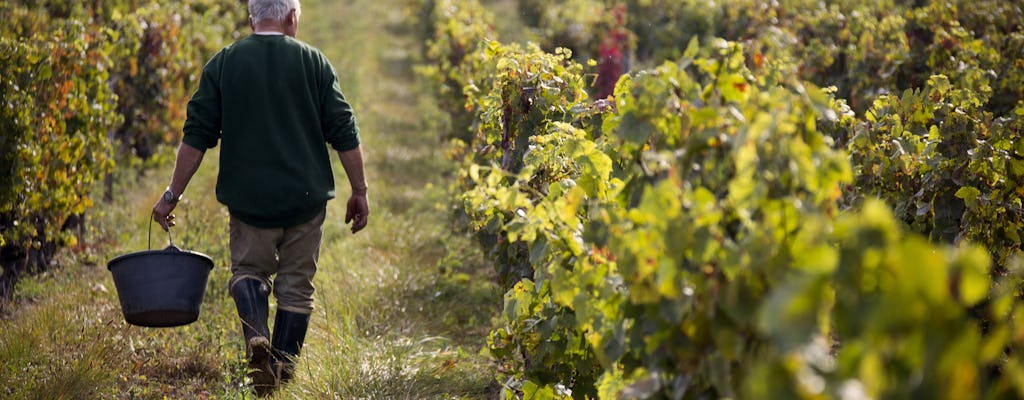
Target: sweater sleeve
203,115
338,121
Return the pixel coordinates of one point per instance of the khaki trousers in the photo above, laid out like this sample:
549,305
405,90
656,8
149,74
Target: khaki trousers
289,253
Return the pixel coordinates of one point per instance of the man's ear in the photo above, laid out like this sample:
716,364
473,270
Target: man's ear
252,24
293,17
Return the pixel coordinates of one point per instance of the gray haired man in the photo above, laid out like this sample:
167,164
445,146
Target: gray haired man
274,104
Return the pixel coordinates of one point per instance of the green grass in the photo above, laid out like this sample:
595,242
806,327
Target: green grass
402,308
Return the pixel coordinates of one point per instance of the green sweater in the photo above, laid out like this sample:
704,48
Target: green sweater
273,102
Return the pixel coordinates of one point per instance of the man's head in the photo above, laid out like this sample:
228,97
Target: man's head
275,15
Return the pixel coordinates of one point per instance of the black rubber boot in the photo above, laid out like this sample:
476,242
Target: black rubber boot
253,309
289,334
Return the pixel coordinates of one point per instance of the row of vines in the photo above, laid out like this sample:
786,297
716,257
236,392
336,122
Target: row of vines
788,199
85,84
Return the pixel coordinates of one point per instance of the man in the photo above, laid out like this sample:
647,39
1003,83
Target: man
274,103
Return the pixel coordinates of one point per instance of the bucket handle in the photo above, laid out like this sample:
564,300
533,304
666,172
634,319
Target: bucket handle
149,244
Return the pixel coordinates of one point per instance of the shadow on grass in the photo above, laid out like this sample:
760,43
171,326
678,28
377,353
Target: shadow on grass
391,368
410,324
451,294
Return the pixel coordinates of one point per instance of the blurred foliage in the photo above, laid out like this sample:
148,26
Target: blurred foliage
56,114
453,31
85,84
156,53
949,169
713,229
863,48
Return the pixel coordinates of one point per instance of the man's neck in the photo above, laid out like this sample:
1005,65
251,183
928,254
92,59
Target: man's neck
269,28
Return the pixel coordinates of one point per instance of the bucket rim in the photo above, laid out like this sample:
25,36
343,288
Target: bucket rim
167,251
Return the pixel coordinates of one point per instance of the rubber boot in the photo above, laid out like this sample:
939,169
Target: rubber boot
289,334
253,309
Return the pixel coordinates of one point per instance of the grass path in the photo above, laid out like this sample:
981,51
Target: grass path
402,307
393,326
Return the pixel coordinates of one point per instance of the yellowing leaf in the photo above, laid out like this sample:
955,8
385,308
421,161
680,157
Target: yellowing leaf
973,264
968,193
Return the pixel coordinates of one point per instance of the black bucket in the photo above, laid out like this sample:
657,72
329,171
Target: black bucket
161,288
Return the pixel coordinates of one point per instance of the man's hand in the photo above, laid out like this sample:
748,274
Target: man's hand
162,213
358,212
358,206
185,165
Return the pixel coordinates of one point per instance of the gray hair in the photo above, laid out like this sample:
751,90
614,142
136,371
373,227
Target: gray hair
272,10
